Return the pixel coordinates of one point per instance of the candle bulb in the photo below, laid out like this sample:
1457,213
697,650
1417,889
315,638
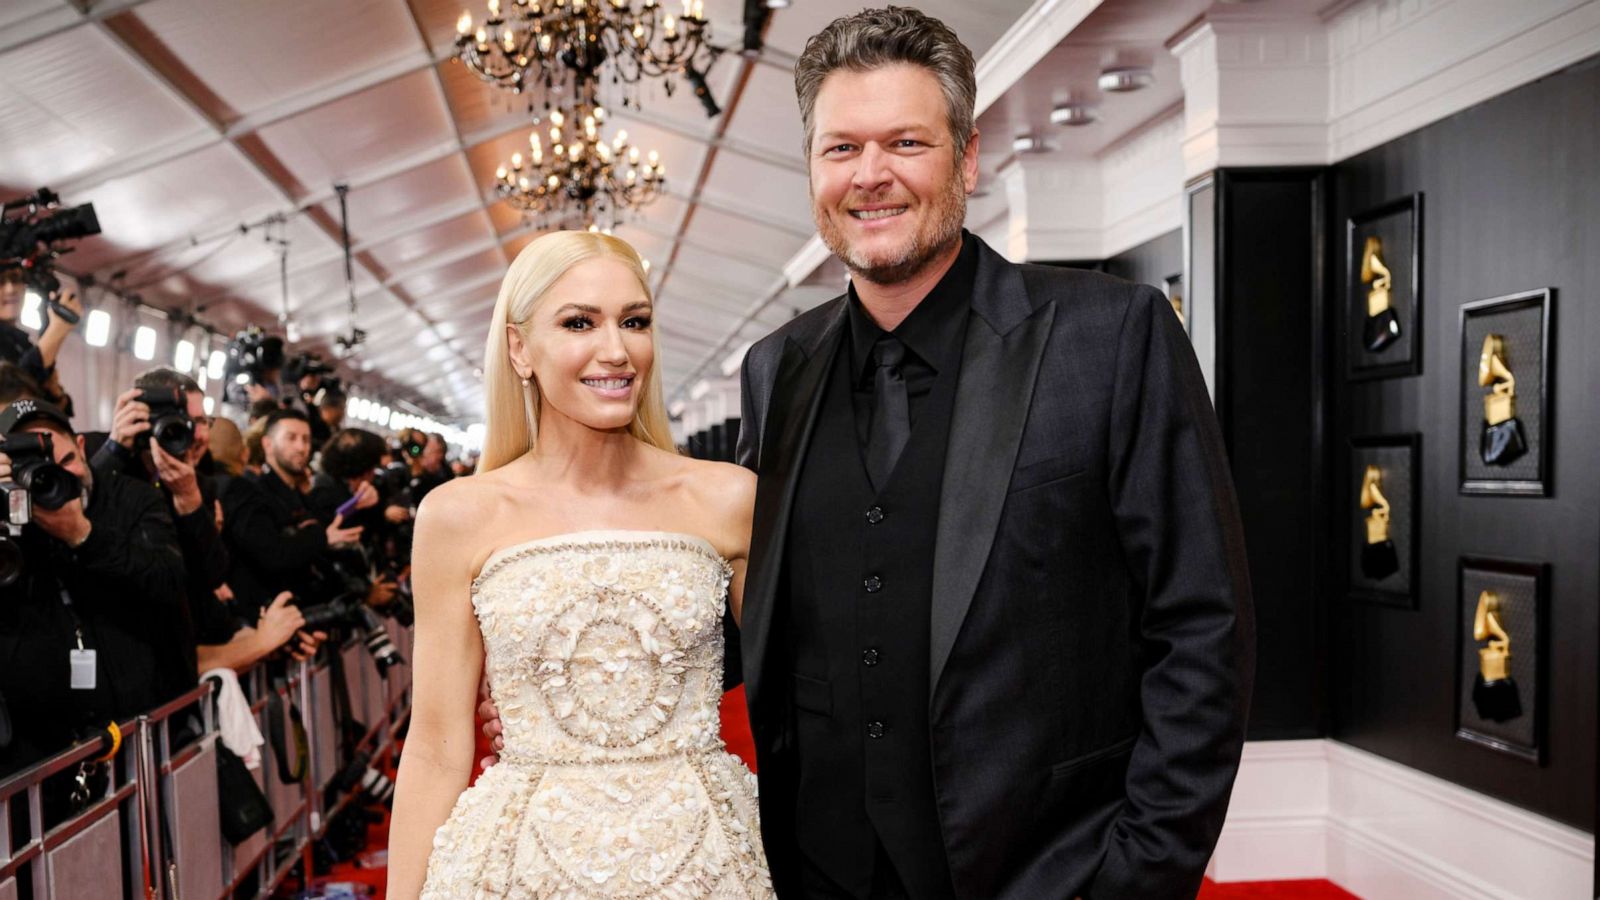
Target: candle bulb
508,41
633,156
671,26
654,157
699,9
516,160
500,173
464,24
599,113
522,183
494,9
556,118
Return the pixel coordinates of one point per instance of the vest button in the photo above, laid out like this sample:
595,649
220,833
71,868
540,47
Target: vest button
873,584
869,656
875,515
876,730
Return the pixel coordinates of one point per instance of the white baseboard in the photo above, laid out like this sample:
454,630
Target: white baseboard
1321,809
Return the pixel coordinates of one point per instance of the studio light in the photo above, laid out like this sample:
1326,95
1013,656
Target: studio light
183,356
144,343
210,405
30,311
215,364
97,331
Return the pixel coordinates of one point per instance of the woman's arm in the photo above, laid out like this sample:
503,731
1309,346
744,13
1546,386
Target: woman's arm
734,496
437,762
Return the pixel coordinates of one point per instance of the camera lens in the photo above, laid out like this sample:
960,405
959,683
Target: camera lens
174,433
50,486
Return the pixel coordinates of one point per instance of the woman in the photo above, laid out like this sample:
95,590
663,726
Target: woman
584,567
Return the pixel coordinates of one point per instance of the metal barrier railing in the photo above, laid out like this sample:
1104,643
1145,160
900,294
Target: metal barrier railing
154,831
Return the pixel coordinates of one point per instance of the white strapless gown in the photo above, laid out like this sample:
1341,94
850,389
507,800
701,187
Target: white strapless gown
604,653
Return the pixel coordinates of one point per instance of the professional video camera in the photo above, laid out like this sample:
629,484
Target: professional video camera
170,424
347,607
32,240
36,480
252,357
302,364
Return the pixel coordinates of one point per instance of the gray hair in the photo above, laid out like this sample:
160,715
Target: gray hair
874,38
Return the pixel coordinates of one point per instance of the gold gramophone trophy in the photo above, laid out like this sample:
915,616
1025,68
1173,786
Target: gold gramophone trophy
1379,559
1382,326
1494,692
1503,439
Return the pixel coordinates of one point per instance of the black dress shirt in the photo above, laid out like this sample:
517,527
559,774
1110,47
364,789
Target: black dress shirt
931,334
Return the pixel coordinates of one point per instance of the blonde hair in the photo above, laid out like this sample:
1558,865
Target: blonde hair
227,446
511,424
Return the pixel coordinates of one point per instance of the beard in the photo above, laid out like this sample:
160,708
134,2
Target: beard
939,229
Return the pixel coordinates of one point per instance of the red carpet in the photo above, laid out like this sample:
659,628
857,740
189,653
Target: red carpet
365,875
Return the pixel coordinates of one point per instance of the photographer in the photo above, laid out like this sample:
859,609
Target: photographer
161,434
351,478
271,532
430,468
91,616
39,361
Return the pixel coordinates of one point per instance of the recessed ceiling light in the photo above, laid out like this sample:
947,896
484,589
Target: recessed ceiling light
1074,114
1126,78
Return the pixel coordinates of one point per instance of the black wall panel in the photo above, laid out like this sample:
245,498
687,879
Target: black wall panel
1512,191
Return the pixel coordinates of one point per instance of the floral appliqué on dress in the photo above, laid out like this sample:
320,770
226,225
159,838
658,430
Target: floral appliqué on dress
604,653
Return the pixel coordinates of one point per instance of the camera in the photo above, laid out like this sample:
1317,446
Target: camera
30,240
352,612
170,424
36,480
413,442
252,357
303,364
348,608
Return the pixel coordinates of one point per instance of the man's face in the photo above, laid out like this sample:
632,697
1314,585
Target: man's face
433,454
887,191
288,446
202,425
332,416
67,449
12,290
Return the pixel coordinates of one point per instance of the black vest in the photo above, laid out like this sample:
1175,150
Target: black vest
859,582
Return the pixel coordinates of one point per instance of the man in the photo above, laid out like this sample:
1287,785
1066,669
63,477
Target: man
39,362
997,633
101,573
270,531
216,637
997,630
430,470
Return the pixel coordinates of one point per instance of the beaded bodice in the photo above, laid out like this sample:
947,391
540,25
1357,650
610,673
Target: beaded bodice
604,646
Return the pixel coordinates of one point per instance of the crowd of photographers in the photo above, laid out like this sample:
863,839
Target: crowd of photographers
173,543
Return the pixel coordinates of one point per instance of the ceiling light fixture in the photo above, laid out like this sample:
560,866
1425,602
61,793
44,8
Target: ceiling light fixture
1121,79
1027,143
567,47
583,177
1074,114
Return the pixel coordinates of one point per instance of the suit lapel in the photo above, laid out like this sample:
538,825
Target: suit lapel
796,398
999,364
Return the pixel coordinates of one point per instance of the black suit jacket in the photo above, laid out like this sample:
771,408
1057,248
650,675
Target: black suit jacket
1092,642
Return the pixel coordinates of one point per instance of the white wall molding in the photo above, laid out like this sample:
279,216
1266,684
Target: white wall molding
1397,67
1321,809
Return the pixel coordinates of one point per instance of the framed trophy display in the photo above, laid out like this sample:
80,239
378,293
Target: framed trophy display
1383,290
1505,389
1382,497
1500,636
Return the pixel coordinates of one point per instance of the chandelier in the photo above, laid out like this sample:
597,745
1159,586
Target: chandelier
561,46
583,176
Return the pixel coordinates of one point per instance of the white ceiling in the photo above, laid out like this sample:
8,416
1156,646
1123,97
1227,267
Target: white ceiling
182,119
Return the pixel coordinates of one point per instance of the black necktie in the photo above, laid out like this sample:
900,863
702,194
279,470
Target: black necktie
891,416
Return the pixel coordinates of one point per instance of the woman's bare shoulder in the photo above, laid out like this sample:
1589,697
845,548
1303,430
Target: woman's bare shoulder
727,495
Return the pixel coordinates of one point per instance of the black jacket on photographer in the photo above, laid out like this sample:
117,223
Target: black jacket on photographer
18,348
205,556
124,585
274,540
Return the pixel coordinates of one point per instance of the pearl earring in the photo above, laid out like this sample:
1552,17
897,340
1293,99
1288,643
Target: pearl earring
524,382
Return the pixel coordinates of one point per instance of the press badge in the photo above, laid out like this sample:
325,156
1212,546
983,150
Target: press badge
82,669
